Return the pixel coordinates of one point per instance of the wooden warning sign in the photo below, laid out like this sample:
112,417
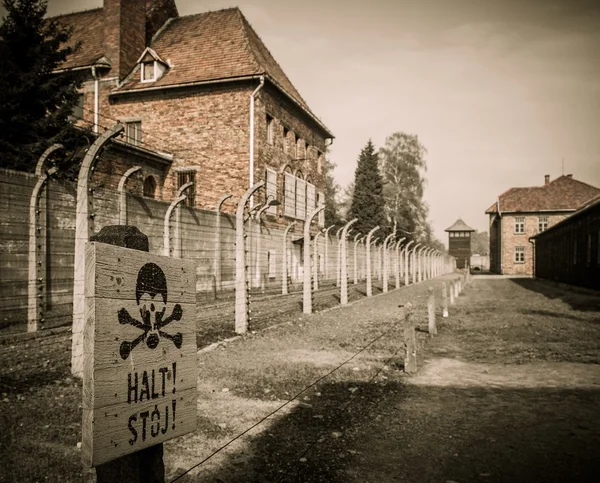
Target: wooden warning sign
139,382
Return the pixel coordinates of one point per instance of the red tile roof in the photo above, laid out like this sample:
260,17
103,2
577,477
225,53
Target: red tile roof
88,29
459,225
562,194
213,46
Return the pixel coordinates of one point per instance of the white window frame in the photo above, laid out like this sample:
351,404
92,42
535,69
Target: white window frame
289,195
133,132
519,225
154,71
519,254
542,223
321,215
311,193
300,199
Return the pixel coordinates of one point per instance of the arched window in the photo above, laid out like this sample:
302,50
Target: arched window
150,187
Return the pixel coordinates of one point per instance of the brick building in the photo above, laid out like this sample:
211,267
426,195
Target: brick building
520,213
459,242
205,90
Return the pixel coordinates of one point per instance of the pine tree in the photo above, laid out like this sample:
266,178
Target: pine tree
367,200
35,103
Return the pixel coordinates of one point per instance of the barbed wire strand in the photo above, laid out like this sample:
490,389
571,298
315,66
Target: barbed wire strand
289,401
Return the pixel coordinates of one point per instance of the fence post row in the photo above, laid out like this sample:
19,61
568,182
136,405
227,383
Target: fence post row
83,230
36,269
344,265
326,274
406,263
242,308
284,258
307,289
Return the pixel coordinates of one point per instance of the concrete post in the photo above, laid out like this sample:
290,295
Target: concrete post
242,309
431,312
380,262
406,263
414,262
217,257
444,300
386,262
284,259
410,341
344,265
452,292
356,242
83,229
420,263
37,272
339,257
123,194
307,289
179,197
399,261
326,274
368,264
316,262
363,270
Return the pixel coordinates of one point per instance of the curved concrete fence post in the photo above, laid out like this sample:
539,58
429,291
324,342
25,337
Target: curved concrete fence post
123,194
316,261
217,257
179,197
83,230
284,258
326,253
386,261
307,289
242,309
36,280
339,256
399,261
413,262
344,263
355,255
368,263
406,263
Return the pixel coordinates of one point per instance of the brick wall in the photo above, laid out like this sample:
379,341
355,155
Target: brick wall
510,240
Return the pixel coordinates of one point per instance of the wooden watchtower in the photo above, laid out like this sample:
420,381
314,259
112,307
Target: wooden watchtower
459,242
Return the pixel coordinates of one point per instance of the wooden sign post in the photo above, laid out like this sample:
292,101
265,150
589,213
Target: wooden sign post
139,381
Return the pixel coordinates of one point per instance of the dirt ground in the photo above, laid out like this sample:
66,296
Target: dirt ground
508,391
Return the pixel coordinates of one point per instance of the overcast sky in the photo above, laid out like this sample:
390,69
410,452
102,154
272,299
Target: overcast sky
499,92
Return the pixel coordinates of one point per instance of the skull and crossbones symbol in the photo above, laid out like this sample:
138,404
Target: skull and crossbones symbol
151,298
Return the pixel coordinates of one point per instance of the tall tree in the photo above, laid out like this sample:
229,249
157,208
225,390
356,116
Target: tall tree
35,103
403,167
480,243
367,200
332,190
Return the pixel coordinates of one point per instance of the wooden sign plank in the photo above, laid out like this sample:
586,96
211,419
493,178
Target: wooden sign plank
140,371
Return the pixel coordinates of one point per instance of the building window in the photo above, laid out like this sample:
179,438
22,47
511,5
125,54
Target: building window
519,254
133,132
289,199
270,132
271,191
286,132
542,223
300,149
310,197
519,224
300,199
149,187
77,113
184,177
148,71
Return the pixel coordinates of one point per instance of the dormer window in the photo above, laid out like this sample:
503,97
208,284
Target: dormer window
148,71
152,67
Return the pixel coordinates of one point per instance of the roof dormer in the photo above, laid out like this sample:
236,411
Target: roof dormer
152,67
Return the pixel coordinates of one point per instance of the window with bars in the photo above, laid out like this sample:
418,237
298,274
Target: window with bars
519,224
289,201
310,197
133,132
300,198
184,177
271,189
519,254
542,223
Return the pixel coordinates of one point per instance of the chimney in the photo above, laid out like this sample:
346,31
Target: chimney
570,176
124,34
546,179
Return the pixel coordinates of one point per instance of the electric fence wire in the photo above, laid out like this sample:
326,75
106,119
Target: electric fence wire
289,401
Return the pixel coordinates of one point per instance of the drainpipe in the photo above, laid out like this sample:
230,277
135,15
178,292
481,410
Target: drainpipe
262,83
96,89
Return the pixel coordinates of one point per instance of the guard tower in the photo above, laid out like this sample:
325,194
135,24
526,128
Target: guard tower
459,242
